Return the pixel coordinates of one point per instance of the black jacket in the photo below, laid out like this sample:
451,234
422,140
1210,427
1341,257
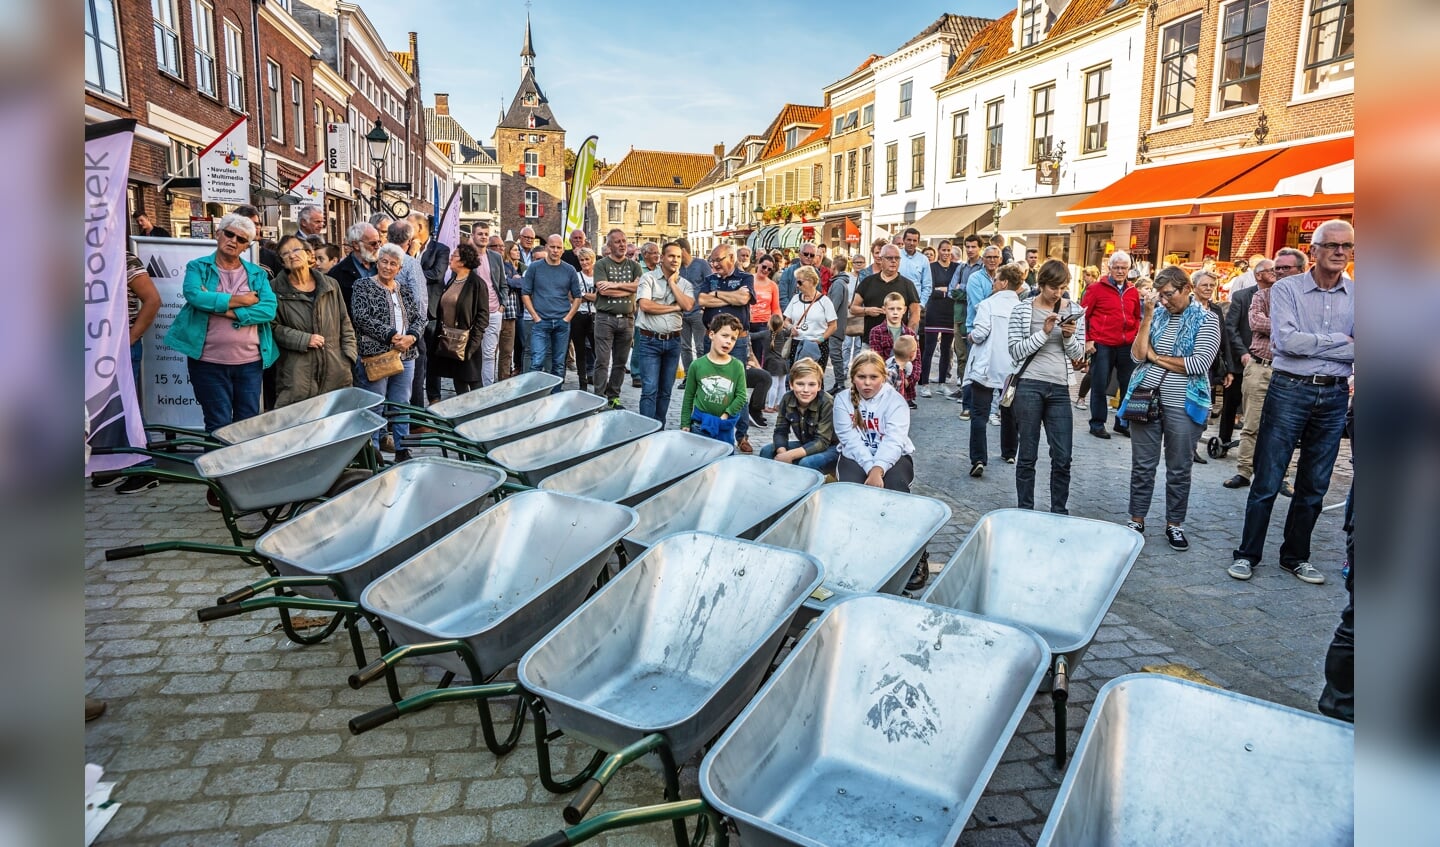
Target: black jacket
435,264
345,272
1237,326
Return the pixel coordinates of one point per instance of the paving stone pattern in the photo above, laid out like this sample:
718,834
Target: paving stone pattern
226,733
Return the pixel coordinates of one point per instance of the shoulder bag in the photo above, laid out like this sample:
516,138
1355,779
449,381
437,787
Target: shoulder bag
451,341
1007,392
382,365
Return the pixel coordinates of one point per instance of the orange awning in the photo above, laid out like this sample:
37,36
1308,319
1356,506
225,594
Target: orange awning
1256,188
852,232
1153,191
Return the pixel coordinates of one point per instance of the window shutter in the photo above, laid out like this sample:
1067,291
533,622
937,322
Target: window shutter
542,170
541,212
522,210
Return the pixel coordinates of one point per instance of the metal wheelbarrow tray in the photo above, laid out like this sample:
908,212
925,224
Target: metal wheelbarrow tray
1165,761
737,496
839,524
1056,574
536,457
881,727
492,398
664,655
529,418
317,407
638,470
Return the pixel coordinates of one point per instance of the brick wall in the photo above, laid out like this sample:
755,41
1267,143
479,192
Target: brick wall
511,145
1248,235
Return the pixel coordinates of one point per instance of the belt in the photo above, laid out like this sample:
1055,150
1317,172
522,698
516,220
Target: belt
1266,362
1313,380
658,336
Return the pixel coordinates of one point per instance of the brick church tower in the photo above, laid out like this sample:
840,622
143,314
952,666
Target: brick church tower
530,146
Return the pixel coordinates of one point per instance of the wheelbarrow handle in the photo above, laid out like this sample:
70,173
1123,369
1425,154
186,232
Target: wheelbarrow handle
215,613
376,717
581,804
1060,685
554,839
237,595
367,675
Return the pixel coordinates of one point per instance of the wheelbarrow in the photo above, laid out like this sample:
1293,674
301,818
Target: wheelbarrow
839,524
324,558
738,496
535,457
1165,761
449,413
1056,574
266,423
476,438
633,472
474,601
274,475
667,653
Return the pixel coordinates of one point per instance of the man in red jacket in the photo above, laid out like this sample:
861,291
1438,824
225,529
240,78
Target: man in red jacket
1112,316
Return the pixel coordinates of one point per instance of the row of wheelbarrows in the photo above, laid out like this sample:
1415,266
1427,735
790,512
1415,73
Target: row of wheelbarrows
881,725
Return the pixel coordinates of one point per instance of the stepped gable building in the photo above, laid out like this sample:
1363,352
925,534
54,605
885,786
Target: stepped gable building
530,146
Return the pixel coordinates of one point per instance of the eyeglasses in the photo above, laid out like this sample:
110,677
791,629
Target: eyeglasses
809,255
1289,269
1266,271
1167,293
240,238
889,258
1332,246
371,244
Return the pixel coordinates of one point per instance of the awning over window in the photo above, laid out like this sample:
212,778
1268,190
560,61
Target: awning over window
763,238
791,235
951,220
1039,214
1244,181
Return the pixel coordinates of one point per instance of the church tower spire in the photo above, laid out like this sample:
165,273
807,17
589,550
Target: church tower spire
527,52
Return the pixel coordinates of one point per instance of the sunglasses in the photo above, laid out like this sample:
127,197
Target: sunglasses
240,238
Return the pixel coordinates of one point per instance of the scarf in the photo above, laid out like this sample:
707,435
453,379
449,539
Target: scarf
1197,387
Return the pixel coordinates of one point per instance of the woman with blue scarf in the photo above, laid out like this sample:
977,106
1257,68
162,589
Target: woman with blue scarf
1173,348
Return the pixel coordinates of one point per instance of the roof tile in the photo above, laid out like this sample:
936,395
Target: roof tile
993,42
958,28
659,169
789,114
1079,13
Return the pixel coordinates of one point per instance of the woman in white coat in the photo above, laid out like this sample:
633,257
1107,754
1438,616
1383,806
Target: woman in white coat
989,363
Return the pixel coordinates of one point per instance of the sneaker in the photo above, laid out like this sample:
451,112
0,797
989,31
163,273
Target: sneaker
1009,460
136,484
743,445
1081,404
913,404
1138,526
1240,569
615,404
994,420
953,393
920,577
1237,481
1176,536
977,470
212,500
925,391
1286,490
964,414
758,420
1101,434
104,480
1305,572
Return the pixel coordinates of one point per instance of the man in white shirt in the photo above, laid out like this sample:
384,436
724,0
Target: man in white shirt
662,298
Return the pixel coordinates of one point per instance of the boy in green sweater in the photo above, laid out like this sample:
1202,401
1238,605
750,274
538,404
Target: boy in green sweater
715,385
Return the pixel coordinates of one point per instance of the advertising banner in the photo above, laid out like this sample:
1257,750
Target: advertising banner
337,148
225,166
309,190
580,186
165,382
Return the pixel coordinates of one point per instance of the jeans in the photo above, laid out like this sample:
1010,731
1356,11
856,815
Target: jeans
898,478
804,349
505,352
137,353
656,361
757,383
490,348
1106,358
548,338
693,340
1178,434
1009,433
933,338
839,356
523,345
1038,402
962,355
824,461
1312,416
395,389
1338,698
227,393
612,346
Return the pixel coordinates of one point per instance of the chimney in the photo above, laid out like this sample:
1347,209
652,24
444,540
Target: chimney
415,55
719,151
442,105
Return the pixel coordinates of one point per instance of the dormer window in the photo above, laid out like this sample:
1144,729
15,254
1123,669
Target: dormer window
971,60
1036,18
792,137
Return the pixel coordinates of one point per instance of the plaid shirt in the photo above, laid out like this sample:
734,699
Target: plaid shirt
510,297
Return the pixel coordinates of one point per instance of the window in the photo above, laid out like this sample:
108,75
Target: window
1097,110
917,162
615,211
1242,50
1179,55
532,204
1330,45
297,110
477,198
789,187
792,137
851,167
647,212
971,60
817,181
837,177
167,36
272,91
866,170
202,25
102,49
1042,118
839,125
235,68
183,159
319,130
867,115
906,88
892,157
532,163
994,134
672,214
960,131
852,120
1036,19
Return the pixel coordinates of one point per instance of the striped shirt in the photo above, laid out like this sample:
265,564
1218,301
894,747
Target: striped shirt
1172,385
1053,353
1312,329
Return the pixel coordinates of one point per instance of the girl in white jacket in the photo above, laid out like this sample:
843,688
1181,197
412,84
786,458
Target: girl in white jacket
989,364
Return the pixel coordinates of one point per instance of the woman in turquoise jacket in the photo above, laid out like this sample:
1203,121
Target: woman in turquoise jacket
223,329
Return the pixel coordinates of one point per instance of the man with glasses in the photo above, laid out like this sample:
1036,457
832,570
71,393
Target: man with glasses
1312,341
869,301
692,325
730,291
527,245
364,241
1112,317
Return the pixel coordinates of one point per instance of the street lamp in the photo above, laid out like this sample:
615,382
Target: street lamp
759,211
377,140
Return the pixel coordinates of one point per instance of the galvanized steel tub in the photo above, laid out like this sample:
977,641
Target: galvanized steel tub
290,466
305,411
501,580
869,539
490,431
881,727
737,496
1166,762
536,457
369,529
494,397
676,644
638,470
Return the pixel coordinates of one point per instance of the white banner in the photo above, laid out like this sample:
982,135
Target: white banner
448,231
309,189
111,413
225,166
337,148
165,376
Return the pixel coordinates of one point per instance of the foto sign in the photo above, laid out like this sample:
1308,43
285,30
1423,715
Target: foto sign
337,147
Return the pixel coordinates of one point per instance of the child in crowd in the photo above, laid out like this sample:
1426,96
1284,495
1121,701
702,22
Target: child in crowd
884,336
327,256
805,423
902,369
872,426
776,365
715,385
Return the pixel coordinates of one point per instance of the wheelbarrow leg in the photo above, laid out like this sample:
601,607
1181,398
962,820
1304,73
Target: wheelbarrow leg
1060,693
708,821
543,737
672,793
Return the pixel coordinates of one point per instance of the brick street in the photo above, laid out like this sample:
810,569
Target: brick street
226,733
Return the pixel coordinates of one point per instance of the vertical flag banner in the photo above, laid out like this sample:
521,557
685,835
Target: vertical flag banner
435,203
310,188
225,166
447,232
580,185
112,410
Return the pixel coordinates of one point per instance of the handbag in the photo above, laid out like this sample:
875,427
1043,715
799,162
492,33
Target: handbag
451,340
1012,382
855,326
383,365
1143,406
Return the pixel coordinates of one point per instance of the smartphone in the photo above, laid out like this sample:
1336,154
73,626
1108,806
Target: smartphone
1070,319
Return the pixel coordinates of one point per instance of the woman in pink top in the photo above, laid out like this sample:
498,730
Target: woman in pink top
767,303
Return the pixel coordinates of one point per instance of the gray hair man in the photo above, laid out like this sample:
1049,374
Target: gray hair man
311,220
363,240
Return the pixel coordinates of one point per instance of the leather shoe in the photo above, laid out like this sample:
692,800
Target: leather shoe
1236,481
93,708
744,445
1286,490
1199,459
1101,434
1123,430
420,429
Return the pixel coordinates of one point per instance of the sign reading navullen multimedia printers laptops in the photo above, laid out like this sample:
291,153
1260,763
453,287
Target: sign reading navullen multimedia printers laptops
225,166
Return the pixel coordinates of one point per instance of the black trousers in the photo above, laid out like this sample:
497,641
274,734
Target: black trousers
1229,407
946,339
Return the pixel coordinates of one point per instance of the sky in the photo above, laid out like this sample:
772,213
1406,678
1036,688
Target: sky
652,75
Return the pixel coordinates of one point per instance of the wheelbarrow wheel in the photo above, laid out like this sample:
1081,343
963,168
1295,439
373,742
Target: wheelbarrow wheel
1214,448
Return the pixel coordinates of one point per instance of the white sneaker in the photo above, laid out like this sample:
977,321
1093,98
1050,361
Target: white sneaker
994,420
964,415
925,391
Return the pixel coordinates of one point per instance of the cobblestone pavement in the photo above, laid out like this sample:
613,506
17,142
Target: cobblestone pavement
226,733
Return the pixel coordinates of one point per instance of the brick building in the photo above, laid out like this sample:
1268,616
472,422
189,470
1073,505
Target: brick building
1244,105
644,194
530,147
